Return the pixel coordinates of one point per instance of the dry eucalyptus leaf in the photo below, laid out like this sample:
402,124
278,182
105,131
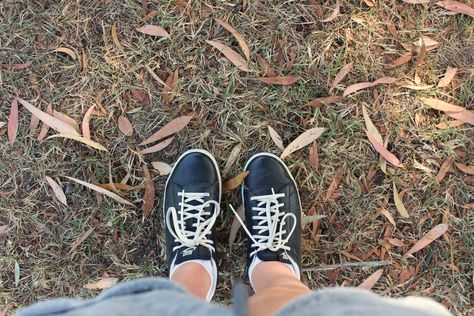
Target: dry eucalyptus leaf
234,182
399,203
101,284
124,125
279,80
371,280
382,150
303,140
276,138
448,77
333,14
240,39
115,37
441,105
456,6
171,128
234,57
149,196
158,147
153,30
234,154
105,192
340,75
162,167
12,127
66,51
58,192
86,131
428,238
86,141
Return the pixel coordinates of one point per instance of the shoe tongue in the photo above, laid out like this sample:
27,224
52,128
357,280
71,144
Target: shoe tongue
193,253
268,255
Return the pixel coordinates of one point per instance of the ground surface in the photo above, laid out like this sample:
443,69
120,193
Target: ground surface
234,108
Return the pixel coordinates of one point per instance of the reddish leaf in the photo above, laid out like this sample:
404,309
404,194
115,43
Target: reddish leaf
382,150
155,148
428,238
340,75
303,140
86,132
22,66
171,128
143,96
405,58
456,6
124,125
234,182
371,280
324,101
313,156
231,55
12,126
335,183
240,39
334,13
279,80
269,71
149,196
444,169
356,87
153,30
465,168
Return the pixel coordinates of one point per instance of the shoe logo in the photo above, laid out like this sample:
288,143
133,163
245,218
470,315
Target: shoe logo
285,256
188,252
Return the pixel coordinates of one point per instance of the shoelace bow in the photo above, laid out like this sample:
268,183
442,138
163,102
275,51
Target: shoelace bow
271,222
197,236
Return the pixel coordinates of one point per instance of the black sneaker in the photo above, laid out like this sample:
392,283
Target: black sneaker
272,212
191,206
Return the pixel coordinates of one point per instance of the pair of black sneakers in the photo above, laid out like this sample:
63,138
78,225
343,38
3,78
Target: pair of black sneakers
192,204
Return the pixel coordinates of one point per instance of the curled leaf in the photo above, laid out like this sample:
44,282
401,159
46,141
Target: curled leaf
171,128
428,238
240,39
234,182
303,140
58,192
153,30
333,14
66,51
231,55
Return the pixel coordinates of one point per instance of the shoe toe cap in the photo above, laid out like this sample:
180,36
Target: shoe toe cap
195,168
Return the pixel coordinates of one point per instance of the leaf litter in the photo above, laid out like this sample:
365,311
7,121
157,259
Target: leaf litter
427,239
240,39
302,141
234,182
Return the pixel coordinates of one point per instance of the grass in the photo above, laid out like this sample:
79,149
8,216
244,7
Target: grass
233,108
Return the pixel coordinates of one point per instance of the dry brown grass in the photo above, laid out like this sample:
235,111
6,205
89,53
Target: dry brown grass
233,108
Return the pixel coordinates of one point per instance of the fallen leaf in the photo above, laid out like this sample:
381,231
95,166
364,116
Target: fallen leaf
340,75
269,71
66,119
236,225
364,85
240,39
45,127
81,239
350,256
371,280
162,167
369,3
101,284
234,154
389,216
335,183
405,275
308,219
171,128
17,273
450,124
456,6
279,80
105,192
50,120
448,77
85,65
86,132
465,168
124,125
396,242
370,126
150,15
391,158
444,169
145,7
441,105
120,186
19,66
303,140
313,156
12,127
149,196
155,148
153,30
66,51
152,73
399,203
234,182
417,87
58,192
428,238
81,139
421,54
234,57
142,96
333,14
4,229
430,44
115,37
402,60
276,138
465,116
385,80
167,94
324,101
416,1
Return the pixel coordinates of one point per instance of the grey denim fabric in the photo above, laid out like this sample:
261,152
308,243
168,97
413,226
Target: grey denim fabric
160,297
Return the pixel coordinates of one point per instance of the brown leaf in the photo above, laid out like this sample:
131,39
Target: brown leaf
276,138
449,124
167,94
350,256
240,39
444,169
364,85
50,120
86,132
391,158
396,242
333,14
234,154
448,77
162,167
335,183
45,127
96,188
370,126
340,75
85,65
456,6
115,38
416,1
417,87
313,156
389,216
405,58
150,15
303,140
171,128
465,168
279,80
371,280
142,96
324,101
149,196
58,192
236,225
369,3
234,57
124,125
12,127
234,182
269,71
81,139
119,186
153,30
66,119
145,7
155,148
441,105
385,80
34,122
421,54
21,66
66,51
405,275
101,284
80,240
465,116
399,203
428,238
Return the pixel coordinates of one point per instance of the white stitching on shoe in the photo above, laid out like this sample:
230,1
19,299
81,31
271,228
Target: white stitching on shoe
268,216
201,228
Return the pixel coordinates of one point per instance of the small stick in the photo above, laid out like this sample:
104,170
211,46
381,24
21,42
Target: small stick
155,76
368,264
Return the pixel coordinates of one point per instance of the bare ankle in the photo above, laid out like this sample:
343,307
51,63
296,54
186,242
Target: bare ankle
194,278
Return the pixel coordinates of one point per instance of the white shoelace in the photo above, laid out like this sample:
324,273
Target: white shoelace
270,234
201,228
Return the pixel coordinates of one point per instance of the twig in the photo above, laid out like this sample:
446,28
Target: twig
155,76
368,264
